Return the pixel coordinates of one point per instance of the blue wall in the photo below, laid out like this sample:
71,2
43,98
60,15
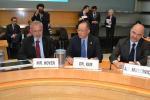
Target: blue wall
72,5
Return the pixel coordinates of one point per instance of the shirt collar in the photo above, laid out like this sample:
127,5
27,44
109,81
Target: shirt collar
136,43
35,39
85,38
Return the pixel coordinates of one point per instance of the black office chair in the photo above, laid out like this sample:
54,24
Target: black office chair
63,38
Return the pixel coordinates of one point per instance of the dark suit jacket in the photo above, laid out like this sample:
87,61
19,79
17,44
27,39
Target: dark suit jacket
10,32
123,49
93,49
45,20
85,19
113,19
27,50
97,18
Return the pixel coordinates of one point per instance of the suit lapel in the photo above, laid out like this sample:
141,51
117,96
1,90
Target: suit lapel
33,46
127,49
138,49
79,46
44,47
90,43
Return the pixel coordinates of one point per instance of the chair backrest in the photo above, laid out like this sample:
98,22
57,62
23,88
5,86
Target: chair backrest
62,32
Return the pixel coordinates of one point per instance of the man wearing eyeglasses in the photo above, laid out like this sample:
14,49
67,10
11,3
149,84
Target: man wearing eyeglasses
84,44
133,50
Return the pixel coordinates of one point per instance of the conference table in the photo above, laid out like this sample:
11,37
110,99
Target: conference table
67,83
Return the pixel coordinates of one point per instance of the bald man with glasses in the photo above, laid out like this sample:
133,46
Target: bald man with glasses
133,50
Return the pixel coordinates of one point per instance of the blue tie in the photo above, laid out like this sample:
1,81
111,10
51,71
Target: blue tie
83,49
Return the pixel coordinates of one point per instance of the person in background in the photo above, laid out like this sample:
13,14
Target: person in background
13,34
2,33
133,50
37,45
84,14
94,18
42,16
84,44
26,31
110,23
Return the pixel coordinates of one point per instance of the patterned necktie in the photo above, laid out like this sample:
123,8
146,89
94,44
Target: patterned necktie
131,55
94,15
83,49
38,53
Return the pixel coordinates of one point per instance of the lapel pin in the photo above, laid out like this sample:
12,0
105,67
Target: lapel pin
90,43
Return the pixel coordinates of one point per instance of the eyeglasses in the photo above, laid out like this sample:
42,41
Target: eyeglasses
80,30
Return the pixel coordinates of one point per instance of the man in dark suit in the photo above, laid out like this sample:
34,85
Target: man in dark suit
36,46
42,16
133,50
84,14
110,23
94,18
13,34
84,44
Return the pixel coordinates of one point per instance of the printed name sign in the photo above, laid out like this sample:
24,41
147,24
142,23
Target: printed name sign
136,70
45,62
84,63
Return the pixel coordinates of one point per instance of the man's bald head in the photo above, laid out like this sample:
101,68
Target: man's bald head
137,32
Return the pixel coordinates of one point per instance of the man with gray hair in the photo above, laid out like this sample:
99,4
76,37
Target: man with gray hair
36,46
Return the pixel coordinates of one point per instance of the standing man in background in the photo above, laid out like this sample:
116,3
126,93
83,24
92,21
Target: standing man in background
84,14
110,23
42,16
94,21
13,34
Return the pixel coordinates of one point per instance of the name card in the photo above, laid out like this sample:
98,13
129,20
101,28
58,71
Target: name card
136,70
85,63
45,63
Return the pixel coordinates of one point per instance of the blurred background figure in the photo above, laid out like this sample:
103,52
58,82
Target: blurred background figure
84,14
110,23
42,16
94,17
2,33
13,34
26,31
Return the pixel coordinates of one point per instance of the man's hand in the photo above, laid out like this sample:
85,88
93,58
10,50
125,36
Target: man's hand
14,36
94,22
118,64
37,12
29,34
69,60
134,63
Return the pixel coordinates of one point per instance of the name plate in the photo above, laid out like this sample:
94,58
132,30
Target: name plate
136,70
84,63
45,63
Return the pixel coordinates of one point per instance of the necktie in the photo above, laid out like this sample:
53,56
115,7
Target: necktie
94,15
13,27
83,49
38,55
131,55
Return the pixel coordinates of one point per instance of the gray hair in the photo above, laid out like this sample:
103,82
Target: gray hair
36,23
111,11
